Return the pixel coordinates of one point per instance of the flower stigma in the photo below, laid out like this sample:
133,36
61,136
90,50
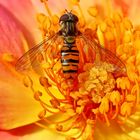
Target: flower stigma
97,94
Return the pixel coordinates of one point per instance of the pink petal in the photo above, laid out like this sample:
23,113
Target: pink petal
129,8
17,106
125,6
56,7
7,136
24,11
10,34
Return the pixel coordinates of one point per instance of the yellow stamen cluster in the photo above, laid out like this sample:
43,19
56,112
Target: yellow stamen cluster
97,94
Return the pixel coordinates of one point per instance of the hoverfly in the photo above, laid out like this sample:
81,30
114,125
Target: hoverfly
70,54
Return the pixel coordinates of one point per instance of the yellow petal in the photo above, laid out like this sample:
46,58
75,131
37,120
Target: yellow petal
43,135
30,132
113,132
132,124
17,105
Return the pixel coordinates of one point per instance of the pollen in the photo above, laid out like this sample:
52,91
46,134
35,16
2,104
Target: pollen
98,92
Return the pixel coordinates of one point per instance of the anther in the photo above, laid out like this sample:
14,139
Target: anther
104,106
126,108
93,11
117,17
109,22
42,114
109,36
115,97
127,38
44,22
55,103
44,82
37,95
127,24
103,26
59,127
27,81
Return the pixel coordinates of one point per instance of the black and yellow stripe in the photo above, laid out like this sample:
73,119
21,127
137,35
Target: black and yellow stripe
69,57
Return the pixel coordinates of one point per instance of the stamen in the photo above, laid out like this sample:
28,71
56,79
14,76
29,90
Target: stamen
47,8
44,24
93,11
44,82
55,103
108,5
27,81
48,110
55,19
117,22
83,20
54,122
95,95
135,91
50,74
81,133
37,95
107,120
116,112
41,125
42,114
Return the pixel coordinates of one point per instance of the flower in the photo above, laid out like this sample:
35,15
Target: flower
101,104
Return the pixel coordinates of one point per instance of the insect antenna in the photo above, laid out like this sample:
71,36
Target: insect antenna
68,11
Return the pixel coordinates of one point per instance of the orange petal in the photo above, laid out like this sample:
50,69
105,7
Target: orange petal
17,105
30,132
125,6
129,8
8,136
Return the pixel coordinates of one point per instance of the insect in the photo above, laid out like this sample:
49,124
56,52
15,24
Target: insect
70,53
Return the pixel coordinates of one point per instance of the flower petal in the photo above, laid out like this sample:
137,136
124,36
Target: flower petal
30,132
112,132
24,11
129,8
56,7
10,34
17,106
8,136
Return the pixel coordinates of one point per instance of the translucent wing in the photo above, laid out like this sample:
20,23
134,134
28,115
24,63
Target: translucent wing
103,56
30,58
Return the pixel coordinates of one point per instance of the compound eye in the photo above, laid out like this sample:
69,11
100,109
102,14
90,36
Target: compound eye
64,17
75,18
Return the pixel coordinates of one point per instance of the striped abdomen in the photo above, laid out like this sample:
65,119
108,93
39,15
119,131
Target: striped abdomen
70,58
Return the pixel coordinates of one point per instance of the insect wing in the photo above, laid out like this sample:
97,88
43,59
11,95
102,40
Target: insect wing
103,56
30,58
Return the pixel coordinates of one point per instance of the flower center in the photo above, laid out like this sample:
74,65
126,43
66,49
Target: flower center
96,93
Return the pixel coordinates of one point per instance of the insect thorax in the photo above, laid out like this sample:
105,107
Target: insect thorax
68,29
